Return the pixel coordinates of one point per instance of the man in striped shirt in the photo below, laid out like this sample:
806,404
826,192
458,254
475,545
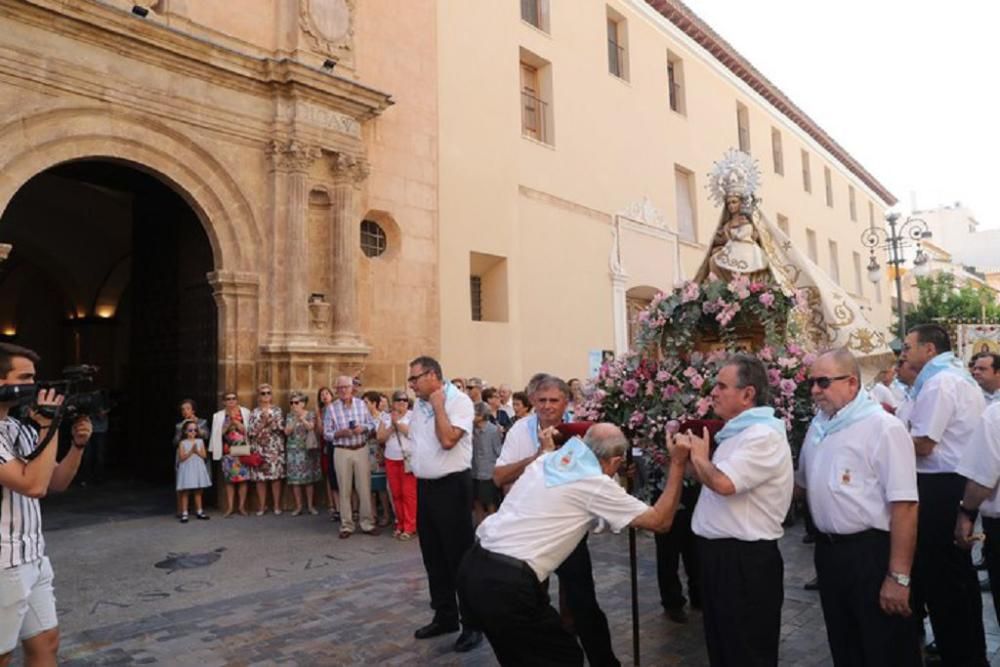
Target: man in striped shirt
27,603
348,427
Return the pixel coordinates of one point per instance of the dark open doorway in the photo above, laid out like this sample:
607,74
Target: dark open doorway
109,268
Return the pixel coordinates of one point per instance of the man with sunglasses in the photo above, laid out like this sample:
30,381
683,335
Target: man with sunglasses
745,495
858,469
946,407
441,429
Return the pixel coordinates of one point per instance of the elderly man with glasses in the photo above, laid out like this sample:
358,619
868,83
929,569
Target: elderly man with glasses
858,469
347,428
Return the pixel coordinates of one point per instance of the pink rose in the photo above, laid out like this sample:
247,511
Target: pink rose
673,426
787,386
697,381
767,299
662,376
766,353
669,392
630,388
809,359
773,376
703,406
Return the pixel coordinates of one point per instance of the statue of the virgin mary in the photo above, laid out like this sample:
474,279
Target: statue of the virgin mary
746,243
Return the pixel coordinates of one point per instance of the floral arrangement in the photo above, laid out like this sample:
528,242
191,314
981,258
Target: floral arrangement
650,391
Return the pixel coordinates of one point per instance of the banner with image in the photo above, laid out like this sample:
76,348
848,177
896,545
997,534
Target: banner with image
976,338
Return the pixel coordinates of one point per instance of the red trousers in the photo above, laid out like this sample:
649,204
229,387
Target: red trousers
403,486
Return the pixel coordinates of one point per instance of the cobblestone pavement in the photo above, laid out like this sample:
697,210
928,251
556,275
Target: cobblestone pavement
267,590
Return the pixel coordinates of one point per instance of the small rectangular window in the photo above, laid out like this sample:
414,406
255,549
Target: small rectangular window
536,12
617,44
834,262
488,287
675,83
777,154
783,224
806,173
859,287
811,246
828,179
743,127
686,223
852,202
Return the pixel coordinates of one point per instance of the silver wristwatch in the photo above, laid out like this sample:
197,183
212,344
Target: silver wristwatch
901,579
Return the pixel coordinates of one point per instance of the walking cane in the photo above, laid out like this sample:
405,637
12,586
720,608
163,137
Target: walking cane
633,575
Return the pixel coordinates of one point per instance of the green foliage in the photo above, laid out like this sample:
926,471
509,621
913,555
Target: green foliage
939,298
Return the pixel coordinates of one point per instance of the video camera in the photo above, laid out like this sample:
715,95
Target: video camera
81,399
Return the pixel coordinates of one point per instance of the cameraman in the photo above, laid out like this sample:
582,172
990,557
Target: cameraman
27,603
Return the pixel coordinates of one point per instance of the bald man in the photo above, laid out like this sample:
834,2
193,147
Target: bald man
858,468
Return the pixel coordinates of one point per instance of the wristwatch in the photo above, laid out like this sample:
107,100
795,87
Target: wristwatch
901,579
972,514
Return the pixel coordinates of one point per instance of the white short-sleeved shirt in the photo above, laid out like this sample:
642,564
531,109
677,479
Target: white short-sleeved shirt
903,411
759,462
947,411
981,459
520,442
542,525
430,460
882,394
392,443
853,474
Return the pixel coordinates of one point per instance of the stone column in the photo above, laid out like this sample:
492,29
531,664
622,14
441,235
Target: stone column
349,173
290,164
236,297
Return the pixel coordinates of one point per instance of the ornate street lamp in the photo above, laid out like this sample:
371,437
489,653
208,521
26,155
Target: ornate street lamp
911,231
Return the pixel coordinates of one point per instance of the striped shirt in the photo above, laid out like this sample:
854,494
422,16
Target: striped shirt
341,417
21,538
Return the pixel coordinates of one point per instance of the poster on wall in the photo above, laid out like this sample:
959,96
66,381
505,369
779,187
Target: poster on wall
596,358
976,338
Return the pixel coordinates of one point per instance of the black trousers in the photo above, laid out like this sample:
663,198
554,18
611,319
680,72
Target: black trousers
742,587
851,573
444,524
676,544
503,597
945,574
576,583
991,553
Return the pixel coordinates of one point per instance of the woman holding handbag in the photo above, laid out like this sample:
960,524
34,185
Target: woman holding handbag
267,439
301,452
229,440
394,431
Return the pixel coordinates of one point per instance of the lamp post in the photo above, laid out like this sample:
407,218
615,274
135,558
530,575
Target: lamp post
898,236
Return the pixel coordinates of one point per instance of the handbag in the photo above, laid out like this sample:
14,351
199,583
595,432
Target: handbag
312,442
253,460
239,450
407,468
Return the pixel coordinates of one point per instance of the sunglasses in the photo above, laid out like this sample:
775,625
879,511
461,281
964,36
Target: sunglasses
414,378
296,402
230,398
190,430
824,382
265,393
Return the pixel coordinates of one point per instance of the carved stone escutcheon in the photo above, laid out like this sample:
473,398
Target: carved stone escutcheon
292,155
350,168
329,25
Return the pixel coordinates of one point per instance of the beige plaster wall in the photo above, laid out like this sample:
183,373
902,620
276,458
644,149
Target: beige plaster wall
615,141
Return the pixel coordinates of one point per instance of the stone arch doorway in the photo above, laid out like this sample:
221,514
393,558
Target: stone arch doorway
111,267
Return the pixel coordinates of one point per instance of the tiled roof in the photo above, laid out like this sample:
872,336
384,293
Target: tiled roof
680,15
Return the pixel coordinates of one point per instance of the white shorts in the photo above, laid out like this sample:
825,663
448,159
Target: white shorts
27,603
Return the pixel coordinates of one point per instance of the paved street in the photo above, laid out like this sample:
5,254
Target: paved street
134,586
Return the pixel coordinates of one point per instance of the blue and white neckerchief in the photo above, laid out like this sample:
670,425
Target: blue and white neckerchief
748,418
861,407
946,362
570,463
427,409
533,430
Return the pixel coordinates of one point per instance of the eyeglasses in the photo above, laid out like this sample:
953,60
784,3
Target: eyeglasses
400,400
266,392
343,386
229,398
414,378
824,382
190,430
296,402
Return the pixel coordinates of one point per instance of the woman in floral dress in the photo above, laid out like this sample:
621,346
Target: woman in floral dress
303,461
236,473
267,438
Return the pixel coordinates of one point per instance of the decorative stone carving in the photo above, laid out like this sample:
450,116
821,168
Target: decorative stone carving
292,155
349,168
328,119
329,25
643,211
319,313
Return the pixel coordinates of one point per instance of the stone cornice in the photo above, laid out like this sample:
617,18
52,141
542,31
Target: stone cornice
151,42
694,27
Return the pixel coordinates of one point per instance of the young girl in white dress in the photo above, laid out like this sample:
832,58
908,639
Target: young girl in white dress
192,476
